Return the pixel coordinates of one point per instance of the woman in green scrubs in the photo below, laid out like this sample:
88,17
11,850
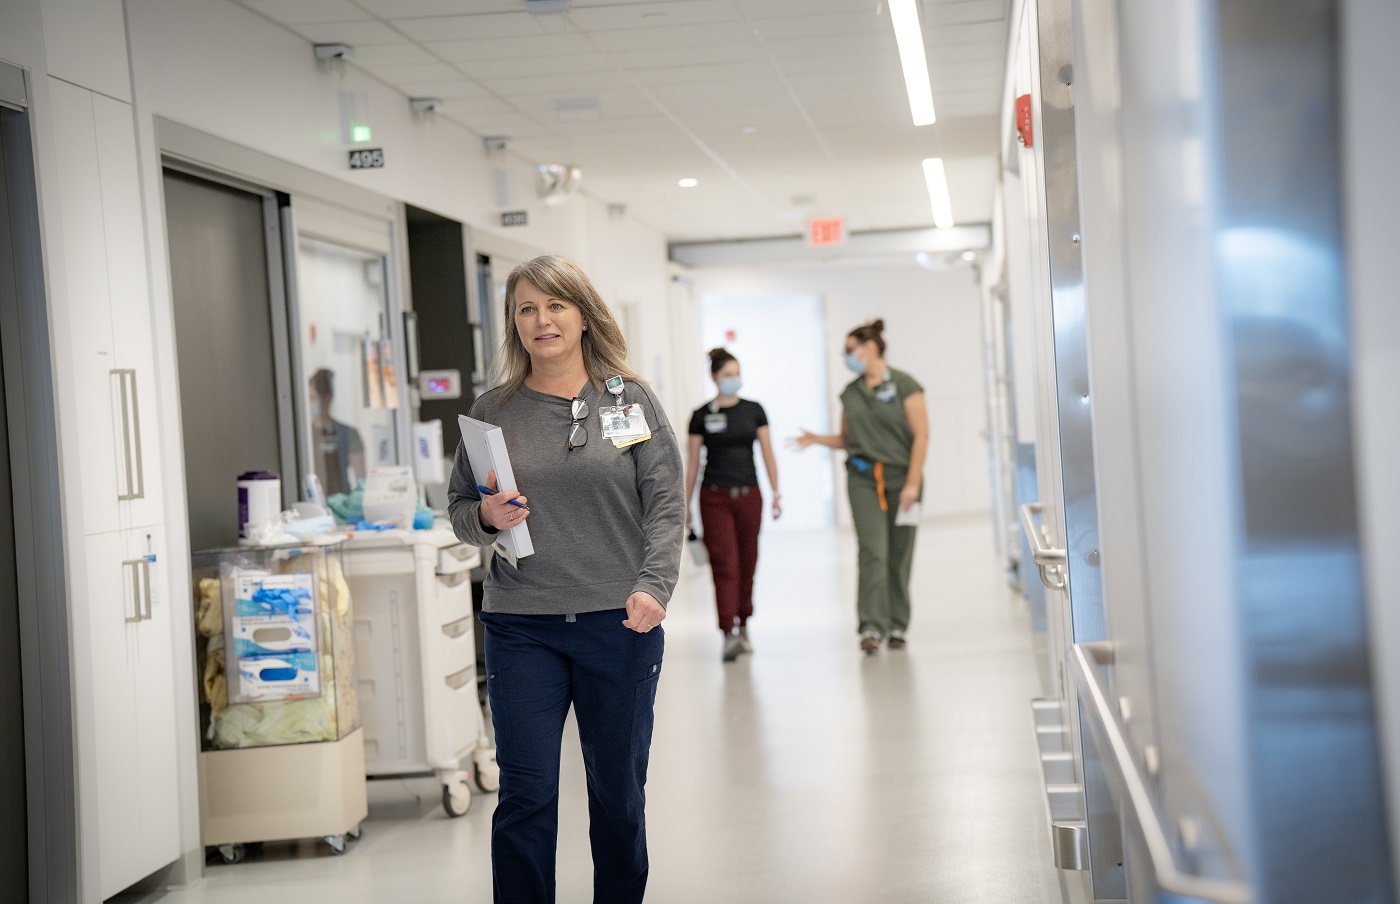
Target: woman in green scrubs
884,430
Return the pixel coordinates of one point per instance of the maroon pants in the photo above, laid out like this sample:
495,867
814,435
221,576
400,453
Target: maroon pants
730,518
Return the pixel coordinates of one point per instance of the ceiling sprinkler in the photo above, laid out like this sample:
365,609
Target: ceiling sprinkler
558,182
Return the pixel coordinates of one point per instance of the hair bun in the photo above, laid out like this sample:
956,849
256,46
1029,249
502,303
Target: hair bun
878,325
717,353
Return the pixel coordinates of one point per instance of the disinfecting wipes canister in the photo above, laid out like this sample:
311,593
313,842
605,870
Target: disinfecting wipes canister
259,499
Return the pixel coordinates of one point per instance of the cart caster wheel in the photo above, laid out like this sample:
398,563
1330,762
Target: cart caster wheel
337,843
232,853
457,799
357,833
487,775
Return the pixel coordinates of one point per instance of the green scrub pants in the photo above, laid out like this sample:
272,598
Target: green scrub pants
886,557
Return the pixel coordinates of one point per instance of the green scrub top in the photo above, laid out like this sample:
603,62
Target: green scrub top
877,428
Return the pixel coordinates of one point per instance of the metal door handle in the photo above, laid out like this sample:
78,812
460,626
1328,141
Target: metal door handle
1112,741
131,435
135,566
1045,557
146,576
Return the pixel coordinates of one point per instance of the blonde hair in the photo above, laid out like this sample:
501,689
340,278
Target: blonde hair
603,345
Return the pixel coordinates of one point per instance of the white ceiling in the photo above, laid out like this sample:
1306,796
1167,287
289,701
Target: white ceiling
782,109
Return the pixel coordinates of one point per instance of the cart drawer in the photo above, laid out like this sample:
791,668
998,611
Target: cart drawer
458,558
381,561
452,599
457,650
457,711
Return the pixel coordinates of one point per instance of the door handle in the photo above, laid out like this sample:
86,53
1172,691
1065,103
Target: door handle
1131,786
146,577
1045,557
131,435
135,566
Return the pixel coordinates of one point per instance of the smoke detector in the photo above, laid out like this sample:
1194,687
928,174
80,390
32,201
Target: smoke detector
558,182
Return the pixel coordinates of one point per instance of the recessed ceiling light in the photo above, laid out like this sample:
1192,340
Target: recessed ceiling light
910,38
688,183
969,255
749,130
937,179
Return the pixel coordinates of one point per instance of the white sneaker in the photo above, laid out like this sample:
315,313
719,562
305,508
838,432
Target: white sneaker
732,647
744,639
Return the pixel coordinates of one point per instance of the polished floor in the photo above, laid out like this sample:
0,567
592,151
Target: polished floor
807,773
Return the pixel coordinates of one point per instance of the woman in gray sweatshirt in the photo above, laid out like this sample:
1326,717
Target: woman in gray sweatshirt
578,622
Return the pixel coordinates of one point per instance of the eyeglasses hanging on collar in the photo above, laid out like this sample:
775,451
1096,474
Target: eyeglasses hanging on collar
578,433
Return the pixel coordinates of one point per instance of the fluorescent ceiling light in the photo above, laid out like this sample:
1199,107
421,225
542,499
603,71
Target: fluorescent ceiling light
938,199
688,183
905,16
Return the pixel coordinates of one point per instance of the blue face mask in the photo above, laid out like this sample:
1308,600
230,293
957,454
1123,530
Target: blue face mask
854,364
730,386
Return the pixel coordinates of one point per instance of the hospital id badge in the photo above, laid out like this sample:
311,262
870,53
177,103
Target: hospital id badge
625,425
716,423
886,393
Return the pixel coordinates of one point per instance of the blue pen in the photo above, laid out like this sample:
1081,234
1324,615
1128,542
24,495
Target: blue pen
486,492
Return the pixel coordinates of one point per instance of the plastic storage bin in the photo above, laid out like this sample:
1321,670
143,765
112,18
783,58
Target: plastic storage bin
282,753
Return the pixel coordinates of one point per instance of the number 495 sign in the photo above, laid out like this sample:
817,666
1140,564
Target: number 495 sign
367,158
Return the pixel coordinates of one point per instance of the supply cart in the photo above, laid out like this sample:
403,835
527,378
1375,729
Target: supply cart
416,648
282,753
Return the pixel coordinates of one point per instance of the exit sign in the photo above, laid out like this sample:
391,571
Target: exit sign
827,231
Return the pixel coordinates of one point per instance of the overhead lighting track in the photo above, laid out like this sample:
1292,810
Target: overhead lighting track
910,38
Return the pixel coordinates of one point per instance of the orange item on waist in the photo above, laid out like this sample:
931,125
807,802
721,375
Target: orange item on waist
880,486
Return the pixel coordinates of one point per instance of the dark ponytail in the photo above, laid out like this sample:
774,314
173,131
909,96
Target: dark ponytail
718,358
874,331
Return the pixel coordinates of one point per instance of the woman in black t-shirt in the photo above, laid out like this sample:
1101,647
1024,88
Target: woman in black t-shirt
731,508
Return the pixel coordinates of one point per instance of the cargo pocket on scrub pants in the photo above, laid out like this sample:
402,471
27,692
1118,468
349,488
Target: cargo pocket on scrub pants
644,706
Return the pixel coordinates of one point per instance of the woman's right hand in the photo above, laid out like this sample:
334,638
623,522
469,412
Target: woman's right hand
496,512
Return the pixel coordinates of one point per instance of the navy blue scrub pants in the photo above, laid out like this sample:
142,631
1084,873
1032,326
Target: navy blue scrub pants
537,666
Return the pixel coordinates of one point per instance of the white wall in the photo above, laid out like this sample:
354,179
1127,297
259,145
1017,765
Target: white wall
933,330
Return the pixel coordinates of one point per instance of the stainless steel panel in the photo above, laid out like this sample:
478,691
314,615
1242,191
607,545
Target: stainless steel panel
1280,262
1072,501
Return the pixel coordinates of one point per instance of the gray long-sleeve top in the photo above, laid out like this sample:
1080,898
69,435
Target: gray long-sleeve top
605,522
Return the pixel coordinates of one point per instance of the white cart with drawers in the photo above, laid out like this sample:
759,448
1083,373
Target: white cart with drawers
416,652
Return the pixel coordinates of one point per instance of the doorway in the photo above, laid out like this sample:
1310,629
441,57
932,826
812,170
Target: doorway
789,379
225,336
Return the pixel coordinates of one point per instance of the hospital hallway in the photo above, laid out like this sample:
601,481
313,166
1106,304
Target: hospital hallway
805,773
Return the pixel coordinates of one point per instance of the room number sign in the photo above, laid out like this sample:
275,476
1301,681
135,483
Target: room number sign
367,158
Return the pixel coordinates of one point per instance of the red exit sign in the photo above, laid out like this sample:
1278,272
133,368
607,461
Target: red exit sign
827,231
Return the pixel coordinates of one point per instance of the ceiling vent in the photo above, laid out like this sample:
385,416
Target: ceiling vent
558,182
546,7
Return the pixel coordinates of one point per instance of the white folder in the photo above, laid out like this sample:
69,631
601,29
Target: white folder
486,450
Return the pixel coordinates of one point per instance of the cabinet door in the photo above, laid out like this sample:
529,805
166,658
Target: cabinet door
113,608
83,309
154,683
138,448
